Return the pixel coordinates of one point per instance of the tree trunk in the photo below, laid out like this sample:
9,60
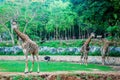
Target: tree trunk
79,32
56,33
65,35
73,32
70,33
27,22
40,34
25,27
87,33
84,34
11,35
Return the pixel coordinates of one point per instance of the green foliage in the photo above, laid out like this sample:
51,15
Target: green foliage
27,78
110,38
95,54
6,44
17,77
2,29
114,54
63,43
61,18
114,32
112,29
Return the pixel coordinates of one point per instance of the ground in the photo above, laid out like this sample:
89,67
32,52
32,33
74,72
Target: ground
64,75
78,75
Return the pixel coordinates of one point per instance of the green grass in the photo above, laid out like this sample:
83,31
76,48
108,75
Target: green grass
18,66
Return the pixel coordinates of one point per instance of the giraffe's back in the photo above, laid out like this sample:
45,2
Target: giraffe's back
85,48
105,49
30,47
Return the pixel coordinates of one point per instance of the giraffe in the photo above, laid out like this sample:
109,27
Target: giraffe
28,46
85,49
105,50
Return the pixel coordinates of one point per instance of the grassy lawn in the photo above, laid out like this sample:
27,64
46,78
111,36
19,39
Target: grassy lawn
18,66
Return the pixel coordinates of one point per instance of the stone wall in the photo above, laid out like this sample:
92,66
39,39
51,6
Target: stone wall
58,50
52,50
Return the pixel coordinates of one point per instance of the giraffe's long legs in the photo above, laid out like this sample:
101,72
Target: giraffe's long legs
108,59
26,60
85,57
37,56
85,61
32,62
103,60
81,58
26,64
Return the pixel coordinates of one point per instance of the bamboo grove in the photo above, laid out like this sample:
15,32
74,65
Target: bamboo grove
60,19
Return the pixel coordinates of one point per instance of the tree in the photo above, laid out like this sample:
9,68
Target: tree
96,16
6,14
61,17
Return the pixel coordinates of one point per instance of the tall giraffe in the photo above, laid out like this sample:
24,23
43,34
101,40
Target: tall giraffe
85,49
105,50
28,46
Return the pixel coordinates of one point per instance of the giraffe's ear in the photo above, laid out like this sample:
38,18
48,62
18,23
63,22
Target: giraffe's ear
14,25
93,34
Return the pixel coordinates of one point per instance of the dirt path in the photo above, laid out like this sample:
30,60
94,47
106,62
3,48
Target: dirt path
91,59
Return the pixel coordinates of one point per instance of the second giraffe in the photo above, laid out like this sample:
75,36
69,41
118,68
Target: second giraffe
85,49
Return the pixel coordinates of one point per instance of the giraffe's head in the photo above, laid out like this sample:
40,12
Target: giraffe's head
92,35
14,24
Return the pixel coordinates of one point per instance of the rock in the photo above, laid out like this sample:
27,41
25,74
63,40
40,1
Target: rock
76,50
2,49
94,49
59,50
53,50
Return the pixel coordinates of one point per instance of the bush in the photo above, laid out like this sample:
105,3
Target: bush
95,54
63,43
112,54
27,78
6,44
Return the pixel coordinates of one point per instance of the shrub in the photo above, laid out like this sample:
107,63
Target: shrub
95,54
6,44
63,43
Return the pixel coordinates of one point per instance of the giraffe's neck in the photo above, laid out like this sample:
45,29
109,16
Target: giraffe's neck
21,35
88,41
107,44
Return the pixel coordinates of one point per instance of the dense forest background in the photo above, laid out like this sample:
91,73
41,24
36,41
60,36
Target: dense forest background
60,19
